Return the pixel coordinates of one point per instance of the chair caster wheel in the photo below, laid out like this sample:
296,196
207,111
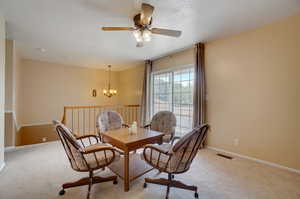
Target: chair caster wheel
145,185
115,182
62,192
196,195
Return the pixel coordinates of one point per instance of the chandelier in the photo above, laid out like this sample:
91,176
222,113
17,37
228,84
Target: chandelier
109,92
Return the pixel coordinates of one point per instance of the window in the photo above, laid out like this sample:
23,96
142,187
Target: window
173,91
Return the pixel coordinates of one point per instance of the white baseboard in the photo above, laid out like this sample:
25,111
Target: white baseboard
2,166
15,148
9,148
255,159
36,124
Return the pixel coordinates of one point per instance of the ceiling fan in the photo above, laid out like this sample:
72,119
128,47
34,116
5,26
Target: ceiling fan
142,29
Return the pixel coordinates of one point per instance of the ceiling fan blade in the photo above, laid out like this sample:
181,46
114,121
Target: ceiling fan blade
139,44
137,4
146,13
167,32
117,28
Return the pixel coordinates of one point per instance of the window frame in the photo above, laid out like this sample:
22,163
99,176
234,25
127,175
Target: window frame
172,71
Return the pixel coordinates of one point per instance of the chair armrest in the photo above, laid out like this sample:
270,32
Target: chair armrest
174,138
157,152
95,148
125,125
158,148
103,149
147,125
118,151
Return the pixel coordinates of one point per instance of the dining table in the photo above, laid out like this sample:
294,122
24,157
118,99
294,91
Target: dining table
130,165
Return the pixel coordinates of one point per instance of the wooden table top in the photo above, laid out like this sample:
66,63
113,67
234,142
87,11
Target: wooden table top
125,137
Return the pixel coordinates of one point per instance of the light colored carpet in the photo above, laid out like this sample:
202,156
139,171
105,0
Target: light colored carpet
37,172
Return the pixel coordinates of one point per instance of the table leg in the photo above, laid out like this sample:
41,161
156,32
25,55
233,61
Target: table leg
126,170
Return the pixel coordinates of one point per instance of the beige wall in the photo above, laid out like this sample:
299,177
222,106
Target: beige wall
9,130
253,83
17,90
45,88
178,59
9,52
11,66
131,80
2,87
131,85
42,89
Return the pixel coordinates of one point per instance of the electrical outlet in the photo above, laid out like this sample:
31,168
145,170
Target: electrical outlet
44,139
236,142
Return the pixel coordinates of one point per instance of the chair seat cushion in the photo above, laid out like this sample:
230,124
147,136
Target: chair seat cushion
167,138
163,165
100,158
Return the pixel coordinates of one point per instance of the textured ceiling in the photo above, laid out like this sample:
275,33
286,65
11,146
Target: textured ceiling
69,29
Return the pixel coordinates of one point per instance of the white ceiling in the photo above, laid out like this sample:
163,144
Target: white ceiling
69,29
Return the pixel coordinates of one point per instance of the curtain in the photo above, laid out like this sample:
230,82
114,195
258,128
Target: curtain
199,116
145,104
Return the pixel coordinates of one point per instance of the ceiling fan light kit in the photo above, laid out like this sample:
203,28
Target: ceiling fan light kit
142,31
142,35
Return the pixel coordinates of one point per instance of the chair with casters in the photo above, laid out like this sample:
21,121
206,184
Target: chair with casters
165,122
109,120
85,158
175,159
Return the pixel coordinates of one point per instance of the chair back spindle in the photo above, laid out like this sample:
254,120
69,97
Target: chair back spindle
187,147
72,147
175,159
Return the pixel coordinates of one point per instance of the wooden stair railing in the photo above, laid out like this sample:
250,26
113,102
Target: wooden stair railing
82,119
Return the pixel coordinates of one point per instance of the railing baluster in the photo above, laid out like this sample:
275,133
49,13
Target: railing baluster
89,121
78,122
130,115
94,123
72,120
83,121
135,115
126,115
121,112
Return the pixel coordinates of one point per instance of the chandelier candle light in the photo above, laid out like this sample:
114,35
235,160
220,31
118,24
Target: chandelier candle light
109,92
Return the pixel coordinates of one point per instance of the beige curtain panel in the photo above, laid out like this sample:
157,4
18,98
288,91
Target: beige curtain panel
145,104
199,88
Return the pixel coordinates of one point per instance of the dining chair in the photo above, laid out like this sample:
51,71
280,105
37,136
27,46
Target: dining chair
165,122
175,159
109,120
85,158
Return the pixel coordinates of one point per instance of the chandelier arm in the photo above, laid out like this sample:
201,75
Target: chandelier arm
110,92
109,66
